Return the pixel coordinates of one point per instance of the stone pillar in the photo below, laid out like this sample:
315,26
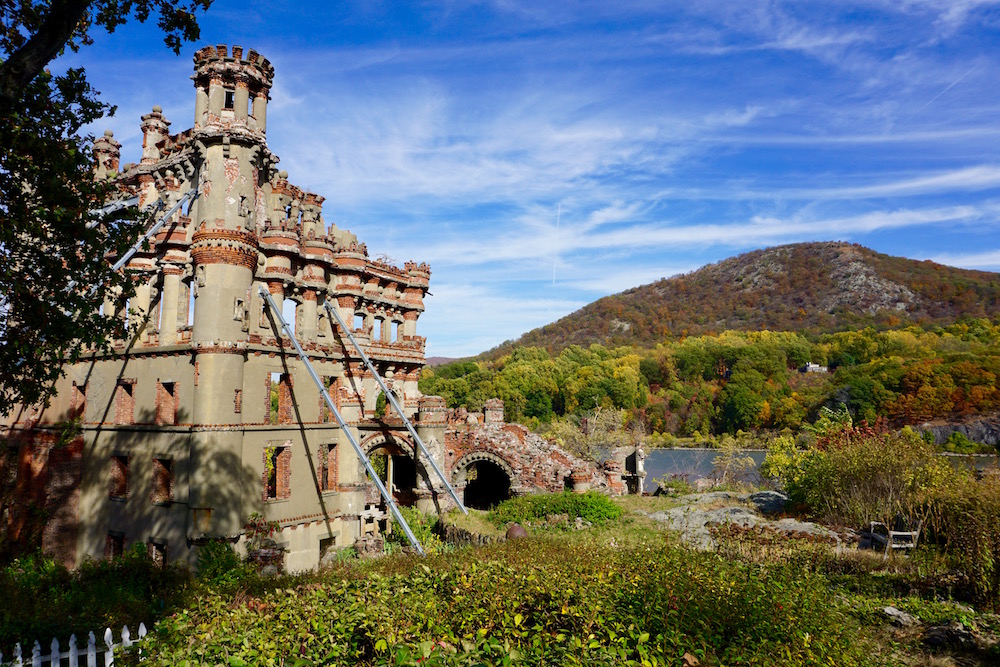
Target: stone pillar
260,110
306,312
170,304
155,128
107,153
242,96
138,305
409,326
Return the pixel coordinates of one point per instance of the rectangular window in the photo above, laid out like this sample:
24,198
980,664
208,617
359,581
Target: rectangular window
158,553
277,472
329,384
280,406
114,545
163,481
328,467
166,403
359,321
230,99
79,407
119,477
125,402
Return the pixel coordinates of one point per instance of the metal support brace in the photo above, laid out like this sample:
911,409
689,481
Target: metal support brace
111,208
123,260
340,420
395,405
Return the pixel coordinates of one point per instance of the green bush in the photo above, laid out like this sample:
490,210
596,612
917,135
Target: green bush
220,565
965,518
591,506
423,526
859,474
42,599
550,601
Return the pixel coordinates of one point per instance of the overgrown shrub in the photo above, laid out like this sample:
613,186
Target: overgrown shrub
219,564
591,506
42,599
965,517
423,526
547,601
858,474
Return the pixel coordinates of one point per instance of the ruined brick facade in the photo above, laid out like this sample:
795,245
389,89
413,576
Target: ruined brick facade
205,414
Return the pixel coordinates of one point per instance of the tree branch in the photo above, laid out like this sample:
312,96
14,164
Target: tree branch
28,61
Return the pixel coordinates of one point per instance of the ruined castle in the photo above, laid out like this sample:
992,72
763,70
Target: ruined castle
204,414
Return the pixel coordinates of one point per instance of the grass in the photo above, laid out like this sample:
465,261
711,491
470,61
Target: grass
622,592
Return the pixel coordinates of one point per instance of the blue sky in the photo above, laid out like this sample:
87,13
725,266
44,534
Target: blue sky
540,155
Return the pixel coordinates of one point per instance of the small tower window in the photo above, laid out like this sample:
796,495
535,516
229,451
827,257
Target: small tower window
230,99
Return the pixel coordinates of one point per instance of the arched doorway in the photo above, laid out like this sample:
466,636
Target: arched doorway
397,470
486,485
487,479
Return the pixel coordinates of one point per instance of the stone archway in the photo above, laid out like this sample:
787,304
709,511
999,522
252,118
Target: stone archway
487,479
393,458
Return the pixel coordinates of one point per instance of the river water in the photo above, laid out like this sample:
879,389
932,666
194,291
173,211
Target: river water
692,464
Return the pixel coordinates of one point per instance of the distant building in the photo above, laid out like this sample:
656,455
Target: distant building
813,368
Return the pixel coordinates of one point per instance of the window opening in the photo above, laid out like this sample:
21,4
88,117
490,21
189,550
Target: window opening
158,554
79,407
274,397
119,477
359,321
114,546
125,402
328,467
163,481
395,331
166,403
230,99
288,311
277,473
377,329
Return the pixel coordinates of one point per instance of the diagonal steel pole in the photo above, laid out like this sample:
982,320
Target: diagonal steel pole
340,420
395,405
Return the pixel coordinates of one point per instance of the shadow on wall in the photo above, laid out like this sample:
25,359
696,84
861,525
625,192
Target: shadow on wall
108,487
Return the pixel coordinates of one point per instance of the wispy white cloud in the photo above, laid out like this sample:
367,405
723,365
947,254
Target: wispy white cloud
987,260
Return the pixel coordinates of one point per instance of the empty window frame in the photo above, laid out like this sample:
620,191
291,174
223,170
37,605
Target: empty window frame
114,544
328,467
166,403
118,488
125,402
277,472
163,481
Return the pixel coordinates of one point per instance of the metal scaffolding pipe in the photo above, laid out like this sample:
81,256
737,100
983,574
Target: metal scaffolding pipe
395,405
340,420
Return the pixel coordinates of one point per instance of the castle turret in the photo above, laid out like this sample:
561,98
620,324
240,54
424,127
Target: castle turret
224,248
231,89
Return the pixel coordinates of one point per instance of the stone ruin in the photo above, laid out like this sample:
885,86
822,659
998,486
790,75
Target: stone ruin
205,414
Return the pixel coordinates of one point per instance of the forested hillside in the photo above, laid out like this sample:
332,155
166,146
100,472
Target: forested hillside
806,287
740,380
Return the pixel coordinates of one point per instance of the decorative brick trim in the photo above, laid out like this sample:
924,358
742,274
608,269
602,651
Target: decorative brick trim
224,246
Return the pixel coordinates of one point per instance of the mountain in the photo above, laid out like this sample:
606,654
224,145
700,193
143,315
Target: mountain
807,287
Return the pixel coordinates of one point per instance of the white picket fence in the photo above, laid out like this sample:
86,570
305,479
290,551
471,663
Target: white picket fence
78,656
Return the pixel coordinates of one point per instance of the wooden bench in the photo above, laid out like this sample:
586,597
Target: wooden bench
903,534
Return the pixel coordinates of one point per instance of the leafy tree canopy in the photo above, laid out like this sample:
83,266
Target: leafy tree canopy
53,271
